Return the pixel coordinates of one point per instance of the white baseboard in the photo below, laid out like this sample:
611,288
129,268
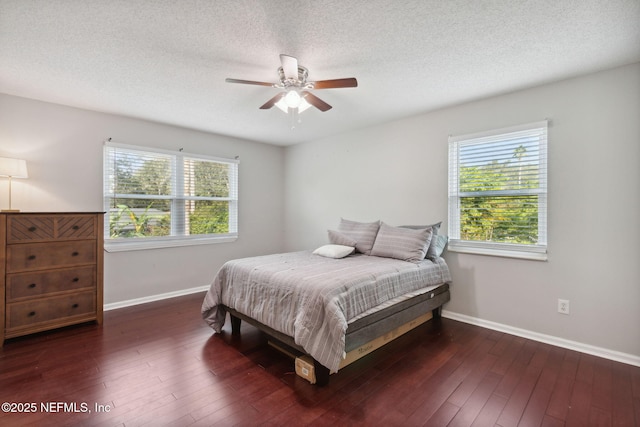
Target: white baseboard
151,298
617,356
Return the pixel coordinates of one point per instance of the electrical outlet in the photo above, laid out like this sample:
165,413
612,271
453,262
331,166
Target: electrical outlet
563,306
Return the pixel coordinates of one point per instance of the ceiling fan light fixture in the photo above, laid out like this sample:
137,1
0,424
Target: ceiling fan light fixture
282,105
292,99
303,105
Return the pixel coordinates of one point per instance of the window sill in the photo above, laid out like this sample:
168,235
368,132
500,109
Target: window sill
138,244
534,253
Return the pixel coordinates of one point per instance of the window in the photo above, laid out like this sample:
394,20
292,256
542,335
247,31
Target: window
156,198
498,192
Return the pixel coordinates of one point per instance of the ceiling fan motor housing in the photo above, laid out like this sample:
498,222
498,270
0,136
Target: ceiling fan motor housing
300,82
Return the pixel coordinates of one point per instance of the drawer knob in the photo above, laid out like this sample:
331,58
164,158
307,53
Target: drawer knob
32,228
32,313
31,257
75,227
75,254
75,279
74,305
33,285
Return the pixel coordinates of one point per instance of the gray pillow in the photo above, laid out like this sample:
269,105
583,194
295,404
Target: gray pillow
431,252
364,233
337,238
402,243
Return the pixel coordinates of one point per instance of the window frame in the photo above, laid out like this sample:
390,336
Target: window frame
512,250
177,172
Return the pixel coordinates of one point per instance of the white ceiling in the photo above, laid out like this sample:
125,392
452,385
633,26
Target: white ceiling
166,60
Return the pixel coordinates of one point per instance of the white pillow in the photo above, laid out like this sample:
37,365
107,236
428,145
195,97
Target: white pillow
334,251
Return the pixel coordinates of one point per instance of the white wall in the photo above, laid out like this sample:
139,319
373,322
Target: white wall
397,172
63,148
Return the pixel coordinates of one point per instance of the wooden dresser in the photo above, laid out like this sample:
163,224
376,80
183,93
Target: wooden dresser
51,271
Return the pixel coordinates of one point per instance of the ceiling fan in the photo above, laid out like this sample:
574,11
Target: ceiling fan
295,95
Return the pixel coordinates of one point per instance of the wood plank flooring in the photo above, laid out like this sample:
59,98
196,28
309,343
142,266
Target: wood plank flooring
159,364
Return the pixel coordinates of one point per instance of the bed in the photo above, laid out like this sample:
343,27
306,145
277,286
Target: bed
328,302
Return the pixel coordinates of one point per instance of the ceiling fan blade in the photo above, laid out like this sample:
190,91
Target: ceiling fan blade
270,103
248,82
336,83
315,101
289,66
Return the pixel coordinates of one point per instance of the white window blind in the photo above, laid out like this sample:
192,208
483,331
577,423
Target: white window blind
156,198
498,192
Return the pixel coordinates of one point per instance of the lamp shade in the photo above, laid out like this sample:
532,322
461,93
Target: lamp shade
14,168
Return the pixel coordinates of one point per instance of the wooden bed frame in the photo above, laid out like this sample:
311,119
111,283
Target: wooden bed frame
364,330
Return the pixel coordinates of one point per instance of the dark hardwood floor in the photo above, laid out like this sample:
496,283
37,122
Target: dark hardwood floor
159,364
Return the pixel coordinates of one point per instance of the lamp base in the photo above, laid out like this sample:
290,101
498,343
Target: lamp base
10,210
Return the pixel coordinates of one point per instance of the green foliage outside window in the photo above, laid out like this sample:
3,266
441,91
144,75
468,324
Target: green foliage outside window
150,214
498,216
210,217
138,222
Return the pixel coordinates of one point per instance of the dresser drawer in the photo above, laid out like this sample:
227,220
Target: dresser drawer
29,313
27,228
28,285
40,256
76,227
41,228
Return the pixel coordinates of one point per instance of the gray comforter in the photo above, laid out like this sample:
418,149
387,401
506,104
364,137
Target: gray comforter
312,298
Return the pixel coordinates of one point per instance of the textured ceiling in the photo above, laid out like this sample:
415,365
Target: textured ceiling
166,60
